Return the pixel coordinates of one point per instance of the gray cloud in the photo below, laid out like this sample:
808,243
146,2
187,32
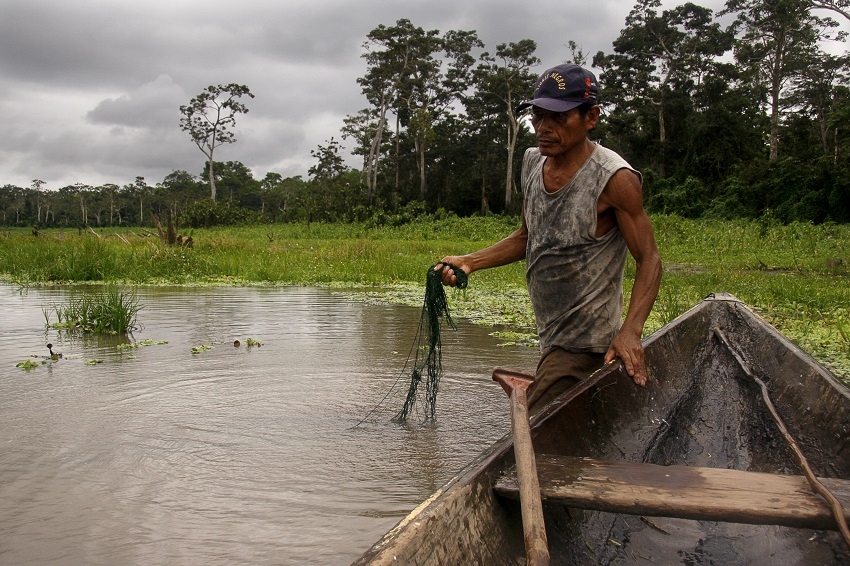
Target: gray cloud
153,105
91,89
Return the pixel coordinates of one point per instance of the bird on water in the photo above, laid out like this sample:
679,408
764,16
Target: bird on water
53,355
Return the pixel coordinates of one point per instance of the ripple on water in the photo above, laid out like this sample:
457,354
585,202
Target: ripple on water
283,452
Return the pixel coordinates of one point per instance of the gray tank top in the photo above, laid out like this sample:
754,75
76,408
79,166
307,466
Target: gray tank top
574,278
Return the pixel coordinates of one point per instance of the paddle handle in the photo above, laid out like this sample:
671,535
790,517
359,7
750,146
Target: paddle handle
533,525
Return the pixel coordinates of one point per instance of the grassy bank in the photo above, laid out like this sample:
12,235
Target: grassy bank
796,276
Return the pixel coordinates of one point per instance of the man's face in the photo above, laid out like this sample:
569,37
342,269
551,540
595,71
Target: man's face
559,132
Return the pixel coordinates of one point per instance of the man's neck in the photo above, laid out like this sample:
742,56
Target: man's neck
559,169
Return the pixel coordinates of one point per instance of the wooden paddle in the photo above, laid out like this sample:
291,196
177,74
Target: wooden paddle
515,385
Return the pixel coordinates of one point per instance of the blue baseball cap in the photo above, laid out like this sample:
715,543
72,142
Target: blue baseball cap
563,88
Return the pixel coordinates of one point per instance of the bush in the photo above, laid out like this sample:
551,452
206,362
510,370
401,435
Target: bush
668,196
207,213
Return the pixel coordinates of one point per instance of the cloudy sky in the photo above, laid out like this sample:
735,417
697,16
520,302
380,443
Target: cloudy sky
90,90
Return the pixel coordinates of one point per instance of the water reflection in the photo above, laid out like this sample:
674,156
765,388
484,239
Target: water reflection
157,455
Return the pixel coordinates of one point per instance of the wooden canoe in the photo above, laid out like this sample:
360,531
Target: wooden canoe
691,469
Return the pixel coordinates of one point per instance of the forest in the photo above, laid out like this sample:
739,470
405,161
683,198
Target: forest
743,113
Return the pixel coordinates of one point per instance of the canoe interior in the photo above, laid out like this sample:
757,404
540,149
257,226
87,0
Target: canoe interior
699,409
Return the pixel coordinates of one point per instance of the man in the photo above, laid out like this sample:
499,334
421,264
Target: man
582,211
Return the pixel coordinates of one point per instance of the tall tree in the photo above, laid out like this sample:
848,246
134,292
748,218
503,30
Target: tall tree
37,186
139,190
416,75
108,193
402,71
435,98
366,129
817,92
505,79
775,46
659,59
208,118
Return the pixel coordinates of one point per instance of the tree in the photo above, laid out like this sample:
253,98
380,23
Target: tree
139,190
13,198
817,92
107,194
401,73
776,45
176,191
417,75
366,129
37,186
437,106
505,79
838,6
325,174
86,194
577,55
658,62
208,118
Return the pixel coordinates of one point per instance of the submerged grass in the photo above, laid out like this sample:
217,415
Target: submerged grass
796,276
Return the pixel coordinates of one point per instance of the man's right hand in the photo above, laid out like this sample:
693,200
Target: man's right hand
449,276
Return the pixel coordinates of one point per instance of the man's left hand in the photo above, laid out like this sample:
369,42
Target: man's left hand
627,347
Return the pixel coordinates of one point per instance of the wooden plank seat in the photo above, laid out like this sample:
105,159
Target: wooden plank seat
683,492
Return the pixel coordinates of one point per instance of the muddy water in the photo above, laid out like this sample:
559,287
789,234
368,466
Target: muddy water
156,455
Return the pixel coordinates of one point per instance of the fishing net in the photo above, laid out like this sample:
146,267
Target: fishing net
428,362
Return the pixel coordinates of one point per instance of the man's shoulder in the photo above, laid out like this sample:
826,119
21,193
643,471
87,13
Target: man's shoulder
603,153
612,161
532,152
531,157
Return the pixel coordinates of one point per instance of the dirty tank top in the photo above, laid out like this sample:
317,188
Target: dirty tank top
574,278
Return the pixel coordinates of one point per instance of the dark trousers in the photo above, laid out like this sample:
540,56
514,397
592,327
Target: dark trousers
559,370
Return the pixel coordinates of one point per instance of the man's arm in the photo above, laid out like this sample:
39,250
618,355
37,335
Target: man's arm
503,252
624,195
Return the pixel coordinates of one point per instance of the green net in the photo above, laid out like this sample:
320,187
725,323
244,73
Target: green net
428,363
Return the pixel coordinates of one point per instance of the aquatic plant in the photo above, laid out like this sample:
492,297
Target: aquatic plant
141,343
111,312
27,365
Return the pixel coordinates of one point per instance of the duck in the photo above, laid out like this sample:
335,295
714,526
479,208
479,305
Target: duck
53,355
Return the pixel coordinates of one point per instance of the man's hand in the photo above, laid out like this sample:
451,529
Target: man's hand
449,275
627,347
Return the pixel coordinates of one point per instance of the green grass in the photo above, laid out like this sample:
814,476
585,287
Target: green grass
110,312
796,276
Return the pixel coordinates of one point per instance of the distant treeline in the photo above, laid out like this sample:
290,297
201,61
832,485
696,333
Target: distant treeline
744,116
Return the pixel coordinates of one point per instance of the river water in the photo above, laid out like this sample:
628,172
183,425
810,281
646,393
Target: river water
283,453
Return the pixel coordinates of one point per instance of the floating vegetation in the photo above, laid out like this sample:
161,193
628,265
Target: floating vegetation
515,338
202,348
27,365
141,343
94,362
112,312
251,342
